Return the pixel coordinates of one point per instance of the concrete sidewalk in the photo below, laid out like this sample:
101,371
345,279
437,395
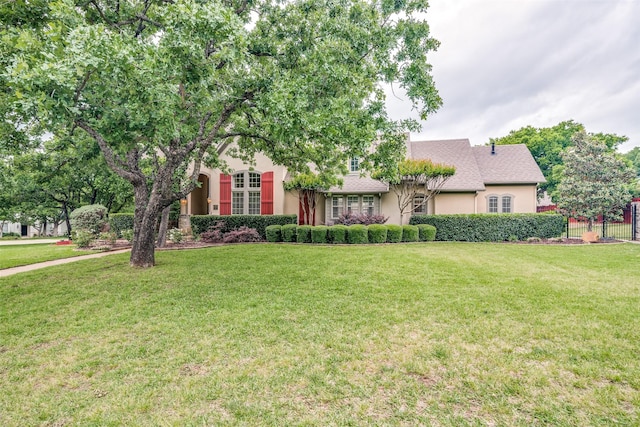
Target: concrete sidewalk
22,269
29,241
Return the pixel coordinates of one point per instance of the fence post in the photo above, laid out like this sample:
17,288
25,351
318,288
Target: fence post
634,221
604,227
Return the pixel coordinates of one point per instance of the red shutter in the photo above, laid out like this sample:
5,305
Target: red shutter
266,193
225,194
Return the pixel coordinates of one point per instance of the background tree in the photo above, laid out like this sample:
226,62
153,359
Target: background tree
547,144
415,177
594,181
163,87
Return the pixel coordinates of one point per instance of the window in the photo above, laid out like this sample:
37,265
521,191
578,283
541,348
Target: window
493,204
337,206
419,206
354,164
353,204
245,195
368,206
506,204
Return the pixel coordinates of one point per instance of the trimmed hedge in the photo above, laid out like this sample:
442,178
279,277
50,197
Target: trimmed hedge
91,218
377,233
492,227
303,234
289,232
274,233
357,234
201,223
409,233
119,222
426,232
319,234
394,233
338,234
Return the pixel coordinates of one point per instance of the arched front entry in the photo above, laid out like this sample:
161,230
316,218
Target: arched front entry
200,196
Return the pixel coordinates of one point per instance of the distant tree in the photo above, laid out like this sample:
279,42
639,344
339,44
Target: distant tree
415,177
164,87
547,144
594,181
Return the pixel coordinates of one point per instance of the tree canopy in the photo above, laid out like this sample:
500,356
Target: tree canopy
163,87
547,144
594,180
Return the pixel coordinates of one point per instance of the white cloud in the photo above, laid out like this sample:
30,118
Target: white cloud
506,64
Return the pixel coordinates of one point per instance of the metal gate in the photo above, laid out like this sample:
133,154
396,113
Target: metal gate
618,230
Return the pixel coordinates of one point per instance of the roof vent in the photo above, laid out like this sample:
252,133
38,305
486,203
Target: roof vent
493,148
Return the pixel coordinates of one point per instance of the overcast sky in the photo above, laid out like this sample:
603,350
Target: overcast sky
506,64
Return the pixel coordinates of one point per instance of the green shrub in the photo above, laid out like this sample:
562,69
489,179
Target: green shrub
377,233
338,234
82,238
409,233
303,234
119,222
10,236
426,232
394,233
202,223
175,235
127,234
289,232
492,227
274,233
319,234
91,218
357,234
108,236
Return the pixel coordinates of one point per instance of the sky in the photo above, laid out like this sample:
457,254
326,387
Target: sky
506,64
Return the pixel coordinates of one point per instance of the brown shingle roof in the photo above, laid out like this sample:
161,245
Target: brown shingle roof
511,164
453,152
355,184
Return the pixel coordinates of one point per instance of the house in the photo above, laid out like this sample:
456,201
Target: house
488,179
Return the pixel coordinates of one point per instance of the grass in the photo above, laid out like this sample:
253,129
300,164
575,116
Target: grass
18,255
442,334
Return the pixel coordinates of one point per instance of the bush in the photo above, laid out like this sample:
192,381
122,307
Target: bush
202,223
319,234
492,227
289,232
214,234
303,234
175,235
377,233
274,233
108,236
426,232
360,218
83,238
409,233
394,233
10,236
127,234
357,234
242,235
338,234
91,218
119,222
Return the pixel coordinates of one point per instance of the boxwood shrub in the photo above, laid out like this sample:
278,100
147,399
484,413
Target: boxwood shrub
426,232
201,223
409,233
394,233
319,234
357,234
492,227
91,218
338,234
274,233
119,222
303,234
289,232
377,233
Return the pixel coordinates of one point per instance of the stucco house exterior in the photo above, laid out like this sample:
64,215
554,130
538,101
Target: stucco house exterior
488,179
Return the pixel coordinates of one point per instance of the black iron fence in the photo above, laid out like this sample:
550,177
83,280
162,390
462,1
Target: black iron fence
622,230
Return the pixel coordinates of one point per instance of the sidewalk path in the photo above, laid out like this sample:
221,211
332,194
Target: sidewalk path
22,269
29,242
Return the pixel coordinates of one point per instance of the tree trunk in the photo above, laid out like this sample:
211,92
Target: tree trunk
144,227
65,208
164,225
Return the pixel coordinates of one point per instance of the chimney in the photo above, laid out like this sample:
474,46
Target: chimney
493,148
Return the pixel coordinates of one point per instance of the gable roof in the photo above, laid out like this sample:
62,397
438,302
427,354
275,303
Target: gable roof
510,164
452,152
356,184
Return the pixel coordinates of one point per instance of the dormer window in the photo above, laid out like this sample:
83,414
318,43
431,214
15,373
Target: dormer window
354,164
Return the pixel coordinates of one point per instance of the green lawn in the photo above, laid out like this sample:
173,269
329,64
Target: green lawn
17,255
442,334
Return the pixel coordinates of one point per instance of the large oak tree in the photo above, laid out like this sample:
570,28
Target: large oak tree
165,86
